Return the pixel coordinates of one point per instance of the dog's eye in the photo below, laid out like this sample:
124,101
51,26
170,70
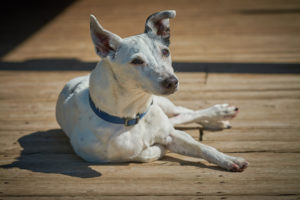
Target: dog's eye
137,61
165,52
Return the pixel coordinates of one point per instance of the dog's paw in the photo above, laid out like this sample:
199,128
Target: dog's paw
223,111
237,164
218,116
214,125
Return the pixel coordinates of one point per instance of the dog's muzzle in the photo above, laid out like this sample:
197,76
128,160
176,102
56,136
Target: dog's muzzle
170,84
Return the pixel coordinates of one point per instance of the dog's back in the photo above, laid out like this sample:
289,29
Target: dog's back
66,99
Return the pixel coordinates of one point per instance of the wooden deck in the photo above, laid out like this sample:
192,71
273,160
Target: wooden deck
37,161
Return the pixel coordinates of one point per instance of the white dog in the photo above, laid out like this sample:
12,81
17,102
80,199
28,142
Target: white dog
114,115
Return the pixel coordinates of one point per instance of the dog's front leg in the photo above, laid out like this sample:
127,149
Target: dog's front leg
183,143
169,108
213,118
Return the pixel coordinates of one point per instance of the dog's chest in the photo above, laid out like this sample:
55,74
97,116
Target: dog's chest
153,128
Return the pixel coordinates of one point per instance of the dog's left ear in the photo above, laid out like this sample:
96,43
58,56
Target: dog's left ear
106,43
159,25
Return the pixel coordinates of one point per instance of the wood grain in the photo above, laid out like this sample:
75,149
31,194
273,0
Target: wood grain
37,160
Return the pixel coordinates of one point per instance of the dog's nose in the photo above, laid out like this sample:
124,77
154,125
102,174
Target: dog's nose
170,83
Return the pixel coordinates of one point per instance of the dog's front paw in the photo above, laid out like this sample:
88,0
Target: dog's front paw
236,164
223,111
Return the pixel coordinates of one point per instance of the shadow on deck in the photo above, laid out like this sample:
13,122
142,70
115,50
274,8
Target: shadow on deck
69,64
21,19
51,152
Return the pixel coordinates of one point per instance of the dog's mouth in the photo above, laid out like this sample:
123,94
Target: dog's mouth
170,91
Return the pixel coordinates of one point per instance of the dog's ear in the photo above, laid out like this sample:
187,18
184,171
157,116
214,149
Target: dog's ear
106,43
159,25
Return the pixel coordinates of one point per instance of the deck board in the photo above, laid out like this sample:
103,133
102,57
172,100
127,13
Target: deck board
37,156
37,160
161,178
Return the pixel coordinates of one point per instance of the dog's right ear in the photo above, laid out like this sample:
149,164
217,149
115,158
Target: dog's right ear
106,43
159,25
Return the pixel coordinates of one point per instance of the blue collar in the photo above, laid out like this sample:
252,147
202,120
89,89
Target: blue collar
114,119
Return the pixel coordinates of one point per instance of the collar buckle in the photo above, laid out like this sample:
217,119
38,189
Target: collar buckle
138,117
132,121
126,121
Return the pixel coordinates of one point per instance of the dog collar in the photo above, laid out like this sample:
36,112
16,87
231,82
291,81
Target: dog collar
127,121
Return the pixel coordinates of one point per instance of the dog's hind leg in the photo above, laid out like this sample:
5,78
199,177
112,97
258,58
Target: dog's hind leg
151,153
183,143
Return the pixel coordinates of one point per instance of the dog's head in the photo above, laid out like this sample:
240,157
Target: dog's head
142,61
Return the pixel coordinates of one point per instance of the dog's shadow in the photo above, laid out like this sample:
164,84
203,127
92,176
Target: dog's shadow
181,162
51,152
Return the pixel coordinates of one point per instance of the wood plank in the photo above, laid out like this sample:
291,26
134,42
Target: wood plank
264,31
237,82
252,122
256,109
40,94
241,95
235,134
55,141
195,81
262,87
255,146
253,134
28,125
165,177
150,197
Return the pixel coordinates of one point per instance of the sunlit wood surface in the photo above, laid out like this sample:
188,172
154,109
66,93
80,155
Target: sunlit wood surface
37,161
